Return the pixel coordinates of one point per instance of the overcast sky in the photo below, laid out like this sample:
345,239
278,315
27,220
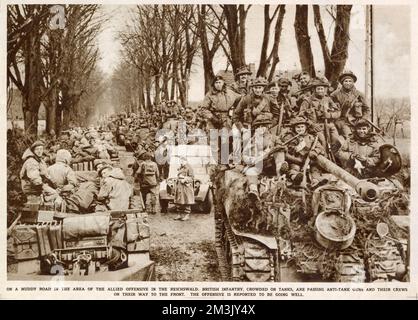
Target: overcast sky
391,50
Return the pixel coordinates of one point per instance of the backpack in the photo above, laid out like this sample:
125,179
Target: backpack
148,174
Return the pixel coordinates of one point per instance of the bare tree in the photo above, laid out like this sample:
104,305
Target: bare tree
26,25
335,59
270,61
303,39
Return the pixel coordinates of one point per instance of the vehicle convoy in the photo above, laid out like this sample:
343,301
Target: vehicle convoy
45,242
343,230
199,157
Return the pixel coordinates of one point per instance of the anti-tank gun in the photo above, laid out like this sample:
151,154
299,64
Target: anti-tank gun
256,242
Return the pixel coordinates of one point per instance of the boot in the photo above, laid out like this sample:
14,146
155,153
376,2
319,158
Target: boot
178,217
186,217
282,168
253,192
297,180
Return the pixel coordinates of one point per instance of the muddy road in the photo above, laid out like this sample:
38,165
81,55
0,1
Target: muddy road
181,250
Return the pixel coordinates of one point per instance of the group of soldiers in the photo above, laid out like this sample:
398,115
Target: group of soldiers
47,176
305,123
297,124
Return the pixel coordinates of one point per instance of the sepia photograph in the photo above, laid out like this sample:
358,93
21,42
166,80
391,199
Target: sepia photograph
208,142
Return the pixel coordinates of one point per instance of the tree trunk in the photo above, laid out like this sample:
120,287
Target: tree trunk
148,93
277,35
157,90
339,52
262,69
206,54
51,111
31,101
303,39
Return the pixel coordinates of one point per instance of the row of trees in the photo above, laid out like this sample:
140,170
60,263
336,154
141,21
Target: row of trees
52,60
161,43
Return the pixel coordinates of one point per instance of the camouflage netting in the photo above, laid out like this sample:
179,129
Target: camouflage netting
328,263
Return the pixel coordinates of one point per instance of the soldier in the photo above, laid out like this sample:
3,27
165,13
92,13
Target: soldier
298,150
34,175
253,110
305,86
242,81
352,102
360,154
115,192
217,104
184,195
320,110
60,173
148,176
283,107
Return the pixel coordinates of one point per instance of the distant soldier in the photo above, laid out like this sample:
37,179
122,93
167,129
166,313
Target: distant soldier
242,81
184,195
352,103
360,154
148,176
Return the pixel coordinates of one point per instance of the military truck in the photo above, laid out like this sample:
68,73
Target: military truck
199,157
46,245
332,232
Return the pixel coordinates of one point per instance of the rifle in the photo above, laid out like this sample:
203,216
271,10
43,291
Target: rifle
327,141
279,124
304,169
274,150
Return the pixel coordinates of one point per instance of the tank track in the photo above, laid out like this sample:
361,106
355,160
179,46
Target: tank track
243,259
385,261
310,261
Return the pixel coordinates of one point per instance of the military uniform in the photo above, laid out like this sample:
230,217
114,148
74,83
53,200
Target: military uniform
319,110
239,87
216,106
352,103
184,195
148,176
298,150
359,156
252,110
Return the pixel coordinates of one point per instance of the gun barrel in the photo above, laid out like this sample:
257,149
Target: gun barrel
368,191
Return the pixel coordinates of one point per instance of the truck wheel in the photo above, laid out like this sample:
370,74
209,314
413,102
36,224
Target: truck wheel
163,205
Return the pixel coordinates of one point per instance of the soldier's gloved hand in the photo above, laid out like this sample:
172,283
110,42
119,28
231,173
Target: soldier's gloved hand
313,154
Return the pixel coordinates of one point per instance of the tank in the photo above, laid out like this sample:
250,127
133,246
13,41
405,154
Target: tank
324,233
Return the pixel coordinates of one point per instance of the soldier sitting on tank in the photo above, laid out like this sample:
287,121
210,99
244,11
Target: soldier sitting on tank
352,102
242,81
298,150
321,111
280,99
254,108
184,194
217,104
360,154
